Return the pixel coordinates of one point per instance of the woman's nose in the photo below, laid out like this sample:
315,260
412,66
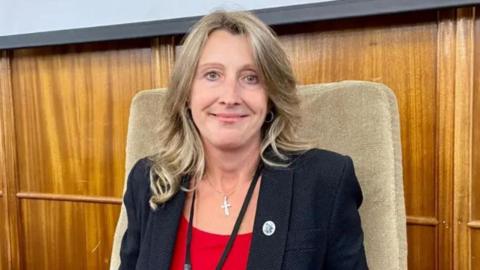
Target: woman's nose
230,92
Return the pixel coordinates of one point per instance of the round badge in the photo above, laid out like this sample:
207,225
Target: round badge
268,228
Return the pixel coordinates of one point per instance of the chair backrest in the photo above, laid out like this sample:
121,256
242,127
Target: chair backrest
356,118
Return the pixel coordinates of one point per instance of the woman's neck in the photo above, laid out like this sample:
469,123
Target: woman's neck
226,168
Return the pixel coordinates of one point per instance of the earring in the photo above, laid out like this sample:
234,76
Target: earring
270,117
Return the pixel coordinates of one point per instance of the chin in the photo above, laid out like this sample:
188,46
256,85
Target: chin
231,143
230,140
228,145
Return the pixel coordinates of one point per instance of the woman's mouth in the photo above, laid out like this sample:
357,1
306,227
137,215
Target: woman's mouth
228,117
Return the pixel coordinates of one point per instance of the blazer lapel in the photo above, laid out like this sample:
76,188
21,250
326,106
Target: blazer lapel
164,232
266,252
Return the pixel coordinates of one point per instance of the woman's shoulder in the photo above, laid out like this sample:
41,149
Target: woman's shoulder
139,175
319,159
327,172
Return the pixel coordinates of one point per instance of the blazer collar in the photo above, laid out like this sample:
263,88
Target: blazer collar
266,252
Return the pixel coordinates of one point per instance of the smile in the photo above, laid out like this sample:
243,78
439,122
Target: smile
228,118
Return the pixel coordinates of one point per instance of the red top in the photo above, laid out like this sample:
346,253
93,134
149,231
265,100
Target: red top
207,248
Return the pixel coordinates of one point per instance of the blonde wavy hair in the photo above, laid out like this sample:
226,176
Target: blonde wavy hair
181,152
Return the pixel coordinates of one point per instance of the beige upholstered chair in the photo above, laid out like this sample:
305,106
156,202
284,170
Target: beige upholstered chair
356,118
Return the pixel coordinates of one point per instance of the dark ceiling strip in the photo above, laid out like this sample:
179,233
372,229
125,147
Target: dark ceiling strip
272,16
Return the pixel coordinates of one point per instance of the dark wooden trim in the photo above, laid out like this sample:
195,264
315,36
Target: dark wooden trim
67,197
272,16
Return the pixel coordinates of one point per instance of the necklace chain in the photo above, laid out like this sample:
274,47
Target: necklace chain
226,204
221,192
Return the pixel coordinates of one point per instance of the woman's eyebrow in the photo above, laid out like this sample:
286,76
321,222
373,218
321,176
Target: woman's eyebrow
216,64
210,64
250,67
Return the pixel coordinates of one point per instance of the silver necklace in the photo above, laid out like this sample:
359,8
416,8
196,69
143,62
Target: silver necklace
226,204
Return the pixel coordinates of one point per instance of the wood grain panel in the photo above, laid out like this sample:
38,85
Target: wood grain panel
421,247
163,59
445,135
475,260
8,169
66,235
3,236
4,84
399,51
463,136
475,189
71,109
476,122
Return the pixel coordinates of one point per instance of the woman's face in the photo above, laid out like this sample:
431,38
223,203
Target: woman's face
228,99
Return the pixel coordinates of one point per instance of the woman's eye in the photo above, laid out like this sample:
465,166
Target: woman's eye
252,79
211,75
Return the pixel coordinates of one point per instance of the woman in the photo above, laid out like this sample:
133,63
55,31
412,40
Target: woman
232,187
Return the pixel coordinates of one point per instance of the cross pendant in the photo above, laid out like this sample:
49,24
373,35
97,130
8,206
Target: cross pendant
226,205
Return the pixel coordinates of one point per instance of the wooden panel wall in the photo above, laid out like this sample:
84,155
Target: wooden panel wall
3,221
475,187
10,248
401,52
67,235
3,235
70,107
463,127
64,112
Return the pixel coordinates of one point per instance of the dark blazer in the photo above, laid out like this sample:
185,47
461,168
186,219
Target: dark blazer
313,204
